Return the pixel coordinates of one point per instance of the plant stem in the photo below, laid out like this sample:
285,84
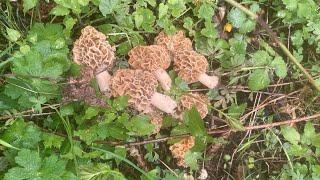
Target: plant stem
274,37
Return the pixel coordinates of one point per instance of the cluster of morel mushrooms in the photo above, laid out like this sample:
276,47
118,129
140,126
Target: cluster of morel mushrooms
148,69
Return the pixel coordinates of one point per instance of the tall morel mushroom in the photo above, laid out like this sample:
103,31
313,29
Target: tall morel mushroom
191,67
140,86
200,101
93,50
153,58
174,43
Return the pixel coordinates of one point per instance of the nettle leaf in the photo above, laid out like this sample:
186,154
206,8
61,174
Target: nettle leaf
236,17
29,4
108,6
290,134
280,67
13,35
258,79
206,11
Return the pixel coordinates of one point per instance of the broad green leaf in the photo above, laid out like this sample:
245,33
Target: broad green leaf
13,35
258,79
236,17
191,159
260,58
206,12
29,4
60,11
194,122
29,160
280,67
177,7
290,134
107,6
247,26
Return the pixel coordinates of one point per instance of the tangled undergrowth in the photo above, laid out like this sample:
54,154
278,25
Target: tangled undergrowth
146,89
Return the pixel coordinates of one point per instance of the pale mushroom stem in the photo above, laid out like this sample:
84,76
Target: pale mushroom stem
209,81
103,79
164,79
163,102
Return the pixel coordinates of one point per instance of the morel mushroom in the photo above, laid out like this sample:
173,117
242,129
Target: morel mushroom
140,86
93,50
191,67
156,119
180,149
175,43
200,101
153,58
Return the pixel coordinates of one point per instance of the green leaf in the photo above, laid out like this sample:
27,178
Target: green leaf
28,159
177,7
52,140
290,4
120,151
247,27
290,134
236,17
191,159
163,10
280,67
107,6
235,111
5,144
29,4
260,58
144,18
209,30
13,35
59,11
206,11
140,125
258,79
194,122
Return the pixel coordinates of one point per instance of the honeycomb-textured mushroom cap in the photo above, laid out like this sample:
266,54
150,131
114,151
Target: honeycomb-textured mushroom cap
156,119
139,85
200,101
190,65
149,58
179,149
93,50
175,43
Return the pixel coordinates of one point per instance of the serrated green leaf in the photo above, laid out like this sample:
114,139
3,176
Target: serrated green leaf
290,4
209,31
59,11
260,58
52,140
107,6
290,134
280,67
13,35
140,125
29,4
163,10
206,12
194,122
191,159
258,79
236,17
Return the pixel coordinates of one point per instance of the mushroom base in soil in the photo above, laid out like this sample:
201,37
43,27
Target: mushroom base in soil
163,78
209,81
103,80
163,102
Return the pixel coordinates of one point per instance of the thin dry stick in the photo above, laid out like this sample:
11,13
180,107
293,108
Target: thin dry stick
275,38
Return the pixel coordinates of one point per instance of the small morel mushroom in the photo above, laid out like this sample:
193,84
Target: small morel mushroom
175,43
200,101
78,88
153,58
156,119
191,67
179,149
93,50
140,86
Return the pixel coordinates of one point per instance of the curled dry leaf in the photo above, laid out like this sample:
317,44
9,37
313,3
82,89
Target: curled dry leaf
180,148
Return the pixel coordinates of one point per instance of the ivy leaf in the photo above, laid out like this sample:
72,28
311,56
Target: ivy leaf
13,35
206,11
290,134
236,17
107,6
29,4
258,79
280,67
